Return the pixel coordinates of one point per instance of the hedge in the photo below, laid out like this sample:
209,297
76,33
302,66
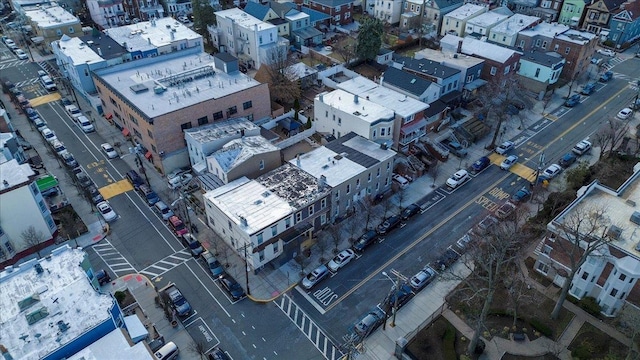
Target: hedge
542,328
449,342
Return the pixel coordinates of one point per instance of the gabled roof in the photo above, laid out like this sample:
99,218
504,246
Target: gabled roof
427,67
631,11
403,80
447,3
314,16
332,3
612,5
281,9
256,10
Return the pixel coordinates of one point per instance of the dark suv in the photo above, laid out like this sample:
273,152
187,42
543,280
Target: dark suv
388,224
135,179
365,240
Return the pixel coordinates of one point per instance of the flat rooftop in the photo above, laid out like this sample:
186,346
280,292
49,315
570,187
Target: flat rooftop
114,343
50,16
366,110
399,103
451,59
487,19
237,151
465,11
545,29
293,185
14,173
427,67
40,304
244,20
182,79
486,50
220,130
576,36
78,51
618,208
325,162
514,24
148,35
248,201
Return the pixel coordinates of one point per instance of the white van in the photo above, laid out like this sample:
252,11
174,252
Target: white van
73,111
168,352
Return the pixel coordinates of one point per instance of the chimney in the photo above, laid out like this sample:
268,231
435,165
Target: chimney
298,161
242,133
321,98
322,182
355,99
459,50
99,51
173,35
243,221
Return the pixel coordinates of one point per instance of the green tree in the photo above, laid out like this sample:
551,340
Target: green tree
369,39
203,15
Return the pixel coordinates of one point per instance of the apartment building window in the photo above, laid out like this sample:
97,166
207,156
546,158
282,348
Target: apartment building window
378,174
287,223
446,22
183,127
203,120
261,255
346,207
622,277
260,39
217,116
339,121
274,230
556,47
469,78
566,51
259,238
149,133
43,207
493,70
323,219
311,210
543,268
275,248
614,292
382,132
507,69
369,177
585,275
357,183
298,216
337,17
522,43
538,42
544,45
493,36
9,248
337,194
348,188
133,119
504,38
374,134
230,224
233,110
261,164
537,72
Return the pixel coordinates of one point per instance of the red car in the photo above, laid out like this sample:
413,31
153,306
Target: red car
177,226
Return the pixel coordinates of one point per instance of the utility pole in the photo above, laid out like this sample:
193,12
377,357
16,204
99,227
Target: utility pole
399,277
246,266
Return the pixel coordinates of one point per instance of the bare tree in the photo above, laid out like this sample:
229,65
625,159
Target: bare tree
583,231
498,99
198,348
333,233
322,243
302,261
371,211
610,135
347,50
33,238
353,225
284,84
519,291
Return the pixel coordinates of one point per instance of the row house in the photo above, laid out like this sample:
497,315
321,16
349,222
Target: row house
577,47
455,22
51,22
447,79
539,37
144,10
480,25
388,11
539,70
409,122
433,11
598,14
624,27
610,273
249,156
107,13
177,8
572,12
548,11
317,19
340,11
507,31
267,14
523,6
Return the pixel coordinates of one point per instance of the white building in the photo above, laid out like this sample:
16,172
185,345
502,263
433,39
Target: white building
353,166
253,41
455,22
21,206
507,31
339,113
613,269
116,342
267,213
51,308
107,13
388,11
480,25
51,21
205,140
249,156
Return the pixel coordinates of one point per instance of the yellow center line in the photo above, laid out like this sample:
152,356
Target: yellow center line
466,205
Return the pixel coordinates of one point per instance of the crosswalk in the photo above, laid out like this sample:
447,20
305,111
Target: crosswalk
112,257
309,328
27,82
166,264
12,63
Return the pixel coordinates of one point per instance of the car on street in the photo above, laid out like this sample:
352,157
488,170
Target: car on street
400,180
218,354
39,123
314,277
447,259
504,147
369,323
388,225
596,61
409,211
342,259
48,83
177,225
605,77
485,225
505,210
94,194
567,160
588,89
552,171
193,244
84,124
109,150
69,160
423,278
480,164
73,111
164,210
21,54
65,101
48,134
458,178
521,195
83,179
8,41
58,147
581,148
232,287
31,113
365,240
572,101
215,267
400,297
508,162
103,277
106,211
624,114
606,52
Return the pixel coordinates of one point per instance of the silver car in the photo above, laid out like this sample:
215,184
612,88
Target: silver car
342,259
423,278
315,277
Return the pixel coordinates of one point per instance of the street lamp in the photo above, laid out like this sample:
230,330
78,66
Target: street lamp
395,287
246,266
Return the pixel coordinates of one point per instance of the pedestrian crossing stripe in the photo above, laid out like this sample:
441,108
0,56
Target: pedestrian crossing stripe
521,170
116,188
41,100
27,82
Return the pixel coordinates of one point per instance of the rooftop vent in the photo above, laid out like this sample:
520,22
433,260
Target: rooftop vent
138,88
159,89
635,217
614,232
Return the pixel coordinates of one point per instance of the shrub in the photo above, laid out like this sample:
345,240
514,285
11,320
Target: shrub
541,327
590,305
449,342
582,351
119,295
573,299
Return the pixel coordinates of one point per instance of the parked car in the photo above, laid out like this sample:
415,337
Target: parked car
365,240
193,244
401,296
106,211
423,278
177,226
480,164
21,54
606,52
94,194
508,162
73,111
58,147
65,101
84,124
48,134
164,210
217,354
605,77
31,113
48,83
521,195
624,114
7,41
135,179
581,148
504,147
149,195
409,211
447,259
388,225
456,149
567,159
39,123
400,180
180,181
485,225
83,179
588,89
314,277
458,179
232,287
573,100
103,277
369,323
109,150
552,171
215,267
341,259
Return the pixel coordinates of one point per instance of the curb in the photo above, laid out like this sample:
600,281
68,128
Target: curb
264,301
